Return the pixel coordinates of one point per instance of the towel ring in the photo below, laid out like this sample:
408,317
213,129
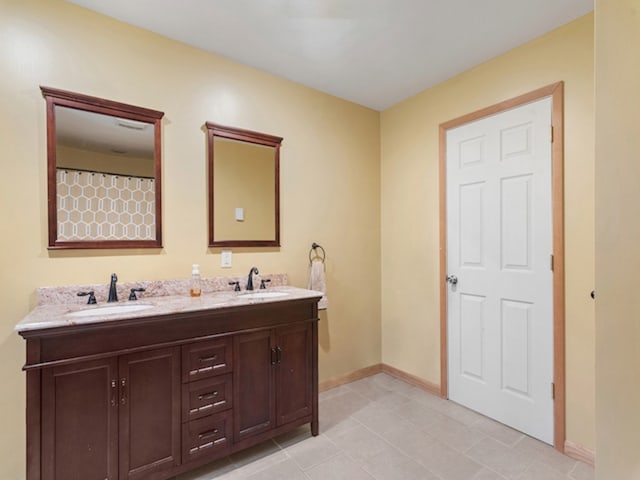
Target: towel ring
314,250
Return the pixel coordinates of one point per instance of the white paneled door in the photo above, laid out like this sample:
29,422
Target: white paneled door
499,246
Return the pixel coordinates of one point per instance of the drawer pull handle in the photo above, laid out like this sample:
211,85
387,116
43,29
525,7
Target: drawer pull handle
208,434
201,447
208,396
208,359
202,408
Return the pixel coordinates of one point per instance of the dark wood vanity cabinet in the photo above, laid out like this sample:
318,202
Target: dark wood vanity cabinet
272,379
149,412
112,418
253,384
207,398
294,396
80,421
148,399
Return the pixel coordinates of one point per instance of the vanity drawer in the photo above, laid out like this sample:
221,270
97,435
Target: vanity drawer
206,359
205,397
206,436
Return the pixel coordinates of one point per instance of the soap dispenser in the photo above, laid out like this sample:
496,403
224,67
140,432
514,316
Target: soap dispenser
195,288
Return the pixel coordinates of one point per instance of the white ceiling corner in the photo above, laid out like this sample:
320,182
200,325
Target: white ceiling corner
372,52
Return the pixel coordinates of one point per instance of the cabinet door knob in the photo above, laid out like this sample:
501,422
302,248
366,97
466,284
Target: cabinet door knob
123,391
114,392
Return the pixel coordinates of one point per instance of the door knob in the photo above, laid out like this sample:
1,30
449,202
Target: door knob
452,279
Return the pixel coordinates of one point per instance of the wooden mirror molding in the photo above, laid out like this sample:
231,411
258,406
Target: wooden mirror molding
103,173
244,187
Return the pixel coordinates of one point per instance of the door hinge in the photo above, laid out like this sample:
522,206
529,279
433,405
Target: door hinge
553,390
551,262
551,133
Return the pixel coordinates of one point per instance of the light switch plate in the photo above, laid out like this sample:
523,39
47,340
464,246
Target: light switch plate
240,214
225,259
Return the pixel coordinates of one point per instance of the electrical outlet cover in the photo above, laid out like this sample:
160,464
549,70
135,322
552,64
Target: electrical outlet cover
225,259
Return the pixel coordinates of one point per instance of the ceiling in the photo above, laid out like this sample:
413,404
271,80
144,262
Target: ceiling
104,133
372,52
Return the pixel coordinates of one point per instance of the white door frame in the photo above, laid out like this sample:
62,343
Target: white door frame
556,92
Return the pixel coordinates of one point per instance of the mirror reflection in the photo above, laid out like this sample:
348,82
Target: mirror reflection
105,177
104,157
243,191
243,187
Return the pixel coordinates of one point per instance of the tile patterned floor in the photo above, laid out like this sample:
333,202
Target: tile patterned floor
381,428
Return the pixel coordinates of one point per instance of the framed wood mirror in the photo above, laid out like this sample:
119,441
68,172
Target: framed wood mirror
244,187
103,173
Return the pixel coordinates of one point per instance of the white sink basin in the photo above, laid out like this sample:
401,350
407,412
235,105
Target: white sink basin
108,310
264,295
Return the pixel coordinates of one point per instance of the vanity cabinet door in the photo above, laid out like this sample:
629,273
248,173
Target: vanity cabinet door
273,378
253,384
80,421
149,384
293,372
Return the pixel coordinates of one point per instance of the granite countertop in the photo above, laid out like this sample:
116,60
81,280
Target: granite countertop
48,316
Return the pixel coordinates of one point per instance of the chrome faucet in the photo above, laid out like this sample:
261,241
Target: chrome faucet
113,292
250,278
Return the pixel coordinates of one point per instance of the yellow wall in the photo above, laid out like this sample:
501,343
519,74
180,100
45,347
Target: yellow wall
333,157
617,220
410,224
330,179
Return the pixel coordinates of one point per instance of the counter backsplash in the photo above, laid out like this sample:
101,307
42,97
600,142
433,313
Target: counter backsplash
68,294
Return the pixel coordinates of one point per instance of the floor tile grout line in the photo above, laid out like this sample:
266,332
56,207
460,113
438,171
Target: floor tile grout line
238,467
464,453
532,456
537,455
398,449
358,462
330,457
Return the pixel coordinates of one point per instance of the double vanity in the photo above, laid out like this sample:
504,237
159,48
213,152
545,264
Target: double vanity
152,388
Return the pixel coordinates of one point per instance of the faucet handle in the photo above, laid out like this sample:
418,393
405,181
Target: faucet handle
132,295
92,297
262,283
237,286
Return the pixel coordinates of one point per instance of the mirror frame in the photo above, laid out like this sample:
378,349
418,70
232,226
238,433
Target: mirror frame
55,97
247,136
